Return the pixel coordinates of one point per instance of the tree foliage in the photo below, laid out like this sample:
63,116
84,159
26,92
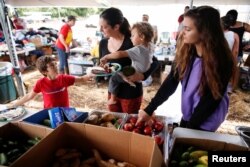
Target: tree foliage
64,12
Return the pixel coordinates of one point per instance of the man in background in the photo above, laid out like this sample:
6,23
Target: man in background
145,18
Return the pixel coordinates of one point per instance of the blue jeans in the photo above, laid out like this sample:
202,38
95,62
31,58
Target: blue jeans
63,59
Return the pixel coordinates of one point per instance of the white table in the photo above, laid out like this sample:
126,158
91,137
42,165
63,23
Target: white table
80,50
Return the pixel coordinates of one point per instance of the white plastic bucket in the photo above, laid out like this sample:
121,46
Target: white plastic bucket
6,68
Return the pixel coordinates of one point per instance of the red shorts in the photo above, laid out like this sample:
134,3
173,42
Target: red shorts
130,106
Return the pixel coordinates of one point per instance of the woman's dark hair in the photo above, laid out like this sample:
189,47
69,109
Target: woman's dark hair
226,22
217,58
233,15
114,16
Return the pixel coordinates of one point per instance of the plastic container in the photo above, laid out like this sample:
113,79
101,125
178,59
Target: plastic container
244,133
8,90
78,66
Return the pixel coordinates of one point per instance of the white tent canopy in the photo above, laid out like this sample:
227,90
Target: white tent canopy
108,3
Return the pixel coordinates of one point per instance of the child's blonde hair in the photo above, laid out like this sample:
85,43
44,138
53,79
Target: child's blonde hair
144,29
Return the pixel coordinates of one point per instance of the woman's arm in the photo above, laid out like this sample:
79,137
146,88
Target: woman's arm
153,67
235,49
62,40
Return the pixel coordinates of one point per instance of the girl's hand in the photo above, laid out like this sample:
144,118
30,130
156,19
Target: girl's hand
142,116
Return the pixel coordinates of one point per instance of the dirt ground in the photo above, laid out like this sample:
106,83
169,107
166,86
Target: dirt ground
88,97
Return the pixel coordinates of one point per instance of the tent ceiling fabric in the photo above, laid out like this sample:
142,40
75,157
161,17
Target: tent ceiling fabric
108,3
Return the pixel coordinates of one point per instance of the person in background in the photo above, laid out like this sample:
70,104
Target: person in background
19,23
232,40
239,28
145,18
231,37
94,52
204,65
141,55
63,41
116,31
180,20
53,86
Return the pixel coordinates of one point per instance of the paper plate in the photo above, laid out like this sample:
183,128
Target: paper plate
115,67
11,114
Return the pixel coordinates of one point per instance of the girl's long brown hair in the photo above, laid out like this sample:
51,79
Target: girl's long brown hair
217,59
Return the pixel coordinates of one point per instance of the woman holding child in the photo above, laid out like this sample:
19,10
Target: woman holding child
116,30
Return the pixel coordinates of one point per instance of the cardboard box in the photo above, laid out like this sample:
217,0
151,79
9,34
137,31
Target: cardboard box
139,150
18,131
39,117
203,140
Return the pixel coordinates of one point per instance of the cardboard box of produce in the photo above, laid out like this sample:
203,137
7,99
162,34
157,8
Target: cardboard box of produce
187,140
43,117
119,145
17,138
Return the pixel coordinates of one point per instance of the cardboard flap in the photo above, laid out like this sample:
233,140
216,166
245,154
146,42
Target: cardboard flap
143,149
111,143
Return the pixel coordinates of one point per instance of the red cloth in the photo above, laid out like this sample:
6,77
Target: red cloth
130,106
18,24
181,18
55,93
67,34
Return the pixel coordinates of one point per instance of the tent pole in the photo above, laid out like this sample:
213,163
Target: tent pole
5,21
191,4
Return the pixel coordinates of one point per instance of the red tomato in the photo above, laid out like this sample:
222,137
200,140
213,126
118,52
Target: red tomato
158,139
133,120
128,127
147,130
158,126
140,125
136,130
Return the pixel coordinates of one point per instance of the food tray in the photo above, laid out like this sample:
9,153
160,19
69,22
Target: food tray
118,68
121,116
11,114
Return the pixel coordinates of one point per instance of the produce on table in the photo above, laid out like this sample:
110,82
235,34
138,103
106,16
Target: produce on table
188,156
46,122
10,150
75,158
155,129
105,119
